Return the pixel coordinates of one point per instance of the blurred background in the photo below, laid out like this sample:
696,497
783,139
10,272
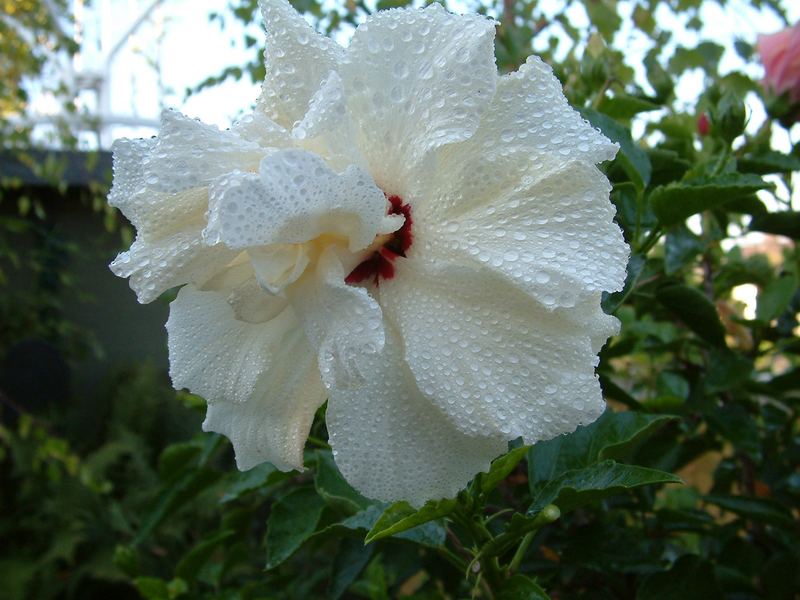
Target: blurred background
90,501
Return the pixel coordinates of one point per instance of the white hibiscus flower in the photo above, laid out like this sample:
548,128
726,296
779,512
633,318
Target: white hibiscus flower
396,229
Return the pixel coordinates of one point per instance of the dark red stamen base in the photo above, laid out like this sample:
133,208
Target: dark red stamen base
381,264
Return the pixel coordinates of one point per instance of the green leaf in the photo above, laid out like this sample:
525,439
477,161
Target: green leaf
781,223
152,588
614,435
755,509
705,56
693,308
193,561
292,521
775,298
624,106
401,516
501,468
248,481
520,587
674,202
726,370
183,491
681,247
631,157
769,162
430,534
584,486
603,15
333,488
348,563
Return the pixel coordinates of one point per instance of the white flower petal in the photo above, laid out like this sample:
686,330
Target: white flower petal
295,199
156,265
529,131
297,59
344,322
327,129
160,186
491,358
391,443
260,379
554,237
417,80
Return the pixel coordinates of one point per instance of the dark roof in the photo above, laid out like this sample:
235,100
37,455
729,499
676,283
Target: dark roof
48,168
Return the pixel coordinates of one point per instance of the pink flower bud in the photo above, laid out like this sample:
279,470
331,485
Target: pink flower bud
703,124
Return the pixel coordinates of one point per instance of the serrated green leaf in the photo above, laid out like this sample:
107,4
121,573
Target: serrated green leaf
624,106
501,468
333,488
675,202
613,435
401,516
631,157
590,484
430,534
520,587
775,298
769,162
781,223
693,308
292,521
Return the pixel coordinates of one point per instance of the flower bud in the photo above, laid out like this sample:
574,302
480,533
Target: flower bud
729,117
703,124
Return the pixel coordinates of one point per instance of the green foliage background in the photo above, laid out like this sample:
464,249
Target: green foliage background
686,488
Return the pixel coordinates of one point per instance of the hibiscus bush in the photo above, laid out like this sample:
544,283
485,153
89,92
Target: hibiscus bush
686,486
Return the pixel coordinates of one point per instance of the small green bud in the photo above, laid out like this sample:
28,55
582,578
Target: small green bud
729,117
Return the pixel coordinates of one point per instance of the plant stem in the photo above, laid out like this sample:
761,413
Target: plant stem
513,566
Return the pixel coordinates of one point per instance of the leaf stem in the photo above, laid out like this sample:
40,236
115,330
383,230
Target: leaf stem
650,241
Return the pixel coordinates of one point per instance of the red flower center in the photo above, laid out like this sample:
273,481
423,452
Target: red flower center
380,264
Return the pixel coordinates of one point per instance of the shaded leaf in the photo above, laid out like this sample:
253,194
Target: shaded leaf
631,157
624,106
584,486
331,485
682,246
431,533
613,435
401,516
781,223
292,521
775,298
675,202
348,563
248,481
501,468
194,560
755,509
693,308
